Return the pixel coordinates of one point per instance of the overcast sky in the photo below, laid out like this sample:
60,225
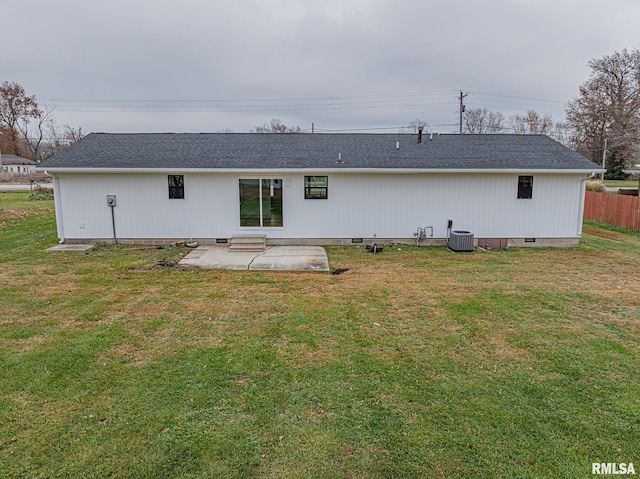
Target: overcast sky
207,65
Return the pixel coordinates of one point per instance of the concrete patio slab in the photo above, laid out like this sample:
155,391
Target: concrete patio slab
282,258
71,247
217,257
286,258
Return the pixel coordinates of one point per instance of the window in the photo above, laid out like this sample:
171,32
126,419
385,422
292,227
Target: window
525,187
316,187
176,187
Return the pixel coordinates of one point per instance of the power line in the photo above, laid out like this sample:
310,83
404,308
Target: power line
374,98
326,130
519,97
512,105
424,99
395,100
284,99
284,105
513,102
245,108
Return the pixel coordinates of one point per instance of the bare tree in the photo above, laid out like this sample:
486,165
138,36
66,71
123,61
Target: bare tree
276,126
57,139
34,136
561,132
483,121
413,126
608,107
531,124
71,135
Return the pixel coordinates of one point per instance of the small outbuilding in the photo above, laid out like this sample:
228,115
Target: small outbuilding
319,189
16,165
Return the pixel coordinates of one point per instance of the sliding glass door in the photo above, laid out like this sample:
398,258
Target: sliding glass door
261,202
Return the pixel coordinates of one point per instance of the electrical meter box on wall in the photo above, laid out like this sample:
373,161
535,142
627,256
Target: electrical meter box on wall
111,200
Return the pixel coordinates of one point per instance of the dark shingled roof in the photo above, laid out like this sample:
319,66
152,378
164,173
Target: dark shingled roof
15,160
316,151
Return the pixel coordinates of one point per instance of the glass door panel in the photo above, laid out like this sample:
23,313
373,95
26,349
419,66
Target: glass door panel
249,202
271,202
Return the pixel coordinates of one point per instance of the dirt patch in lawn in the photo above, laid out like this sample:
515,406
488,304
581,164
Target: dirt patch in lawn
602,233
6,215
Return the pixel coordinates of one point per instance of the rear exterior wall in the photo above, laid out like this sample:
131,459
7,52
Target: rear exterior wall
359,205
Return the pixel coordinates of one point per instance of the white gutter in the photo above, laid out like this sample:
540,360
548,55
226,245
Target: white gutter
323,170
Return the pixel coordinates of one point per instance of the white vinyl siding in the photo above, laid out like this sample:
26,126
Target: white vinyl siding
360,204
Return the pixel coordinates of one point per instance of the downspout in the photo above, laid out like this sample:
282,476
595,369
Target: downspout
113,225
57,201
582,194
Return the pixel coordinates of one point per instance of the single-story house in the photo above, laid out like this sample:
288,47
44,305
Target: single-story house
322,189
635,174
16,165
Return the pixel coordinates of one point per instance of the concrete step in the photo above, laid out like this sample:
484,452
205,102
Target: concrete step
248,243
248,240
246,249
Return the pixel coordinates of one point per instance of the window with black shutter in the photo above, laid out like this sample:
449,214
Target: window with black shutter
525,187
176,187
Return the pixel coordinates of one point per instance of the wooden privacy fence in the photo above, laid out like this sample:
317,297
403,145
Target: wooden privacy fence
618,210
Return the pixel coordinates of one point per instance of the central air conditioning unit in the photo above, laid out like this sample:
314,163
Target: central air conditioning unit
461,241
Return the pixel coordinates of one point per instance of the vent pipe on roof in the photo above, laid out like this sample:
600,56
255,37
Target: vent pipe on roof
420,134
397,145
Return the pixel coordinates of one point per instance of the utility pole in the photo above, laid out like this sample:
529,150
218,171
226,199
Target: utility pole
604,157
462,95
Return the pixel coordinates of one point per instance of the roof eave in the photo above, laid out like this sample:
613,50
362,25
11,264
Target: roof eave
323,170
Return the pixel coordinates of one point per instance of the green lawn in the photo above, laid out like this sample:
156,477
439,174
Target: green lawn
621,183
413,363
